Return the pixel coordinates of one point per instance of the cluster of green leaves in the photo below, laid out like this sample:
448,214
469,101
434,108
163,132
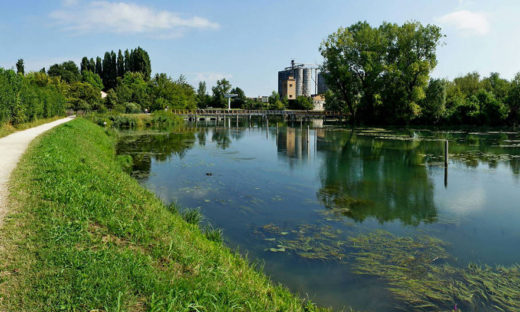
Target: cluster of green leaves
134,94
27,98
111,66
83,235
471,100
382,76
379,74
126,78
217,99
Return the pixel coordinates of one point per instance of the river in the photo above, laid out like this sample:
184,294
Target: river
359,219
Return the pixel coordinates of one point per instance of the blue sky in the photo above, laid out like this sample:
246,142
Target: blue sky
248,41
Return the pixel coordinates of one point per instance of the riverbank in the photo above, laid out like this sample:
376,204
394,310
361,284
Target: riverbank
83,235
13,147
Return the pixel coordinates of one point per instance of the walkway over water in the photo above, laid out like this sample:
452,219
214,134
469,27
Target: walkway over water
286,114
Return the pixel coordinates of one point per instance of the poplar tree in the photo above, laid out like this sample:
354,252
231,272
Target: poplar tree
120,64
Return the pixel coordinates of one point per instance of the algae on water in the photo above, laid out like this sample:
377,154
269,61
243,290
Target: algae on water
418,270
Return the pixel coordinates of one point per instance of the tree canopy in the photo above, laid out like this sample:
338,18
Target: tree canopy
380,73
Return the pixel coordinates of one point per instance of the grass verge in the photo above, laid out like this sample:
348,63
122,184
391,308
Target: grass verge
7,129
83,235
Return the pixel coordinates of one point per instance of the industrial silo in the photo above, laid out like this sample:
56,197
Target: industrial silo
322,85
282,77
298,76
307,81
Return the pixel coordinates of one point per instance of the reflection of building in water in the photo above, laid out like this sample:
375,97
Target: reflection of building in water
293,142
321,142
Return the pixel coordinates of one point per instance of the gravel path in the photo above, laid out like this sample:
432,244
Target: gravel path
12,148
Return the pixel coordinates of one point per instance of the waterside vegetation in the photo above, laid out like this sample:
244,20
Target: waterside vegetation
83,235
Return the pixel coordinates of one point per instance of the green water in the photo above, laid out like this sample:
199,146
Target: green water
359,219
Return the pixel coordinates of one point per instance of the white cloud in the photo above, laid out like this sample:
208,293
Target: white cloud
126,18
466,22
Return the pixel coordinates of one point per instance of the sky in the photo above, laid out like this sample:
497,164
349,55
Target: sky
246,41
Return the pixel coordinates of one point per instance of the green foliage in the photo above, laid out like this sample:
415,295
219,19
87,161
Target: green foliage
192,216
93,79
380,73
93,238
434,103
133,88
68,71
29,98
203,99
20,69
240,100
493,111
166,93
214,235
302,102
513,100
256,104
83,96
222,87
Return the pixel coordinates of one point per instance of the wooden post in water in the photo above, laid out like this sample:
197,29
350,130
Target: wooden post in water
308,134
446,153
237,120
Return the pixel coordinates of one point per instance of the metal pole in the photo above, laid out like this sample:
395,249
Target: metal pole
446,153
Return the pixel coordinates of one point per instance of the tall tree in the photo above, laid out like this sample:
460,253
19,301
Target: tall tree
410,58
127,61
92,65
68,71
513,100
84,64
120,64
353,65
434,104
203,98
219,90
380,73
99,67
140,62
20,68
240,100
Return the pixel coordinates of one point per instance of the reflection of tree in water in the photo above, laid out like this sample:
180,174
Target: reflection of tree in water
221,136
363,177
161,146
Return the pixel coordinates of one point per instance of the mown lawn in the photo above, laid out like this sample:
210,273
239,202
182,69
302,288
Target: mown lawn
83,235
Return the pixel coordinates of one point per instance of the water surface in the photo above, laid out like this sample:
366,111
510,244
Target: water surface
290,197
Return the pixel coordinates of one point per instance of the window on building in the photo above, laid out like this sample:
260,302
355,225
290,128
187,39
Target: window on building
290,85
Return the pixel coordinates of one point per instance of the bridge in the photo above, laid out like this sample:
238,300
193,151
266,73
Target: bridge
216,114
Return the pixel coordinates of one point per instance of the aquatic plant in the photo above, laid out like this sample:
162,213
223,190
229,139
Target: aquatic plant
213,234
418,270
419,274
192,216
306,241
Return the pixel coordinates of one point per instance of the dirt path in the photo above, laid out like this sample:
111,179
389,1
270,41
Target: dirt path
12,148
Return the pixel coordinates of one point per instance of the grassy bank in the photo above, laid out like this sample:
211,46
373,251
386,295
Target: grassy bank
7,129
157,120
83,235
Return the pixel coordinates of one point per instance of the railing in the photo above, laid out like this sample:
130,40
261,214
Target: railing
225,112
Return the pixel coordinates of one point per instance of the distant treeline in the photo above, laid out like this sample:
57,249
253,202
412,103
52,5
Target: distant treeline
381,75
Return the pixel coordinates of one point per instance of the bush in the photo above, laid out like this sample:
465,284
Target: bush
28,98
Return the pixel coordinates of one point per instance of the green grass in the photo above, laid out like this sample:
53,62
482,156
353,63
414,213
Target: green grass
7,129
83,235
